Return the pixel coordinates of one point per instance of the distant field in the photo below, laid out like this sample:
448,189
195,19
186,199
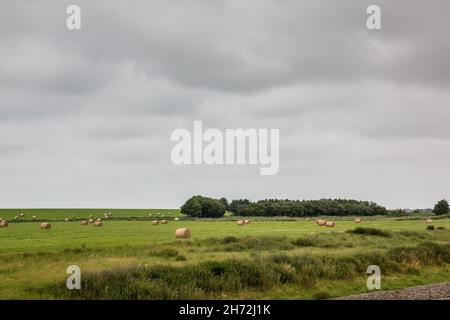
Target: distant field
33,261
61,214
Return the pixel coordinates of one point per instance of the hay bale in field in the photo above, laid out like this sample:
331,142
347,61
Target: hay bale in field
22,215
240,222
109,214
91,221
429,221
182,233
358,220
98,220
3,224
67,219
155,222
321,222
46,226
84,223
98,224
247,221
16,217
176,219
163,222
330,223
34,217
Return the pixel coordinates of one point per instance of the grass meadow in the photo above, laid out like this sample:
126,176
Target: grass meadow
129,258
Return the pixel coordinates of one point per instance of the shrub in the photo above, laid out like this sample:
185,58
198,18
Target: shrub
430,227
370,232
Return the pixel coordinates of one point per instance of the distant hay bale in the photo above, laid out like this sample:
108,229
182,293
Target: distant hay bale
150,214
429,221
91,221
163,222
34,217
46,226
176,219
246,221
22,215
98,224
240,222
3,224
330,223
84,223
109,214
98,220
16,217
155,222
358,220
182,233
66,219
321,222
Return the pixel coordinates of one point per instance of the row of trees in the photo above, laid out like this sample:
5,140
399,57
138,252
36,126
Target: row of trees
306,208
204,207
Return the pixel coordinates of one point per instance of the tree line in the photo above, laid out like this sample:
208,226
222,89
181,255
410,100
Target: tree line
204,207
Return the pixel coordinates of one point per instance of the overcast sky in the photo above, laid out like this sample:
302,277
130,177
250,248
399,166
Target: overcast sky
86,116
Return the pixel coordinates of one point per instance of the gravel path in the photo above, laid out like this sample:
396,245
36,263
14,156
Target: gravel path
438,291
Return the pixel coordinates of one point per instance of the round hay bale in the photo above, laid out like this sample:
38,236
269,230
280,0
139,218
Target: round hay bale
16,217
66,219
46,226
246,221
182,233
358,220
176,219
429,221
34,217
98,224
109,214
84,223
155,222
163,222
240,222
330,223
91,221
98,220
318,221
22,215
3,224
321,222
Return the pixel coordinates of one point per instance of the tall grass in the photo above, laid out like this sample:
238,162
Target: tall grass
210,279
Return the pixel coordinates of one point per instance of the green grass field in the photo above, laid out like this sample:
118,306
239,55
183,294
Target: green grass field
79,214
34,261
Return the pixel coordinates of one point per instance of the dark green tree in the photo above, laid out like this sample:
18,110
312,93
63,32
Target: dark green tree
225,203
441,207
203,207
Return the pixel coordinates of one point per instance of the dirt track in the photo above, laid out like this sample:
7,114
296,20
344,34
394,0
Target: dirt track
438,291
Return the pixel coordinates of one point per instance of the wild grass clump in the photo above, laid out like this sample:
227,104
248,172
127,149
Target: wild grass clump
164,253
210,279
370,232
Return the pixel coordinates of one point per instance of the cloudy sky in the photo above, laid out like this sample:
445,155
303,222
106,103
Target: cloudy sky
86,116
